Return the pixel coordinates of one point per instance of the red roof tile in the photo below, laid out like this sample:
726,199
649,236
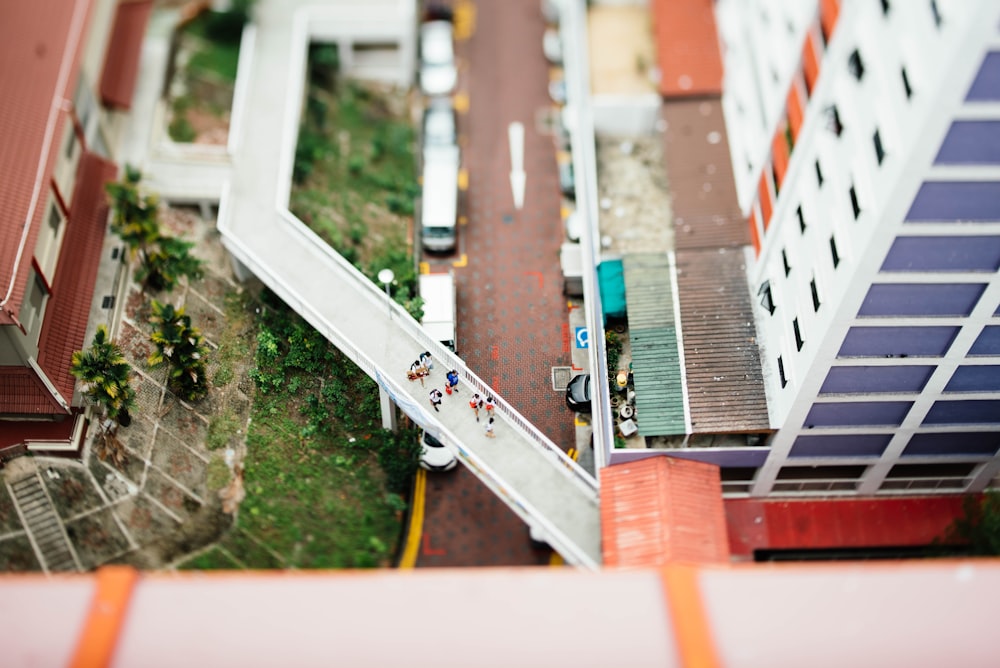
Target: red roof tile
687,48
15,433
22,393
121,63
39,48
838,523
68,308
662,510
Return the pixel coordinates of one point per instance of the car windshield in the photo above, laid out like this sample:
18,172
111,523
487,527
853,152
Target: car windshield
432,442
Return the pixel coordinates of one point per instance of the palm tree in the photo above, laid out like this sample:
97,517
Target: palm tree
182,345
166,263
105,372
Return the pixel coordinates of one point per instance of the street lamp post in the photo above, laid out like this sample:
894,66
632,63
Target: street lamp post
386,277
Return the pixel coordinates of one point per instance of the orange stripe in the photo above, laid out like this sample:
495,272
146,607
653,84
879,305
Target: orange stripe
107,615
779,153
829,12
687,611
794,107
810,64
754,235
764,196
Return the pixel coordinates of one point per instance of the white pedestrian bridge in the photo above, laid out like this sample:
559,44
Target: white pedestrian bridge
521,465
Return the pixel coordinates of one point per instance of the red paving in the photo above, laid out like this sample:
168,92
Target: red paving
828,523
511,311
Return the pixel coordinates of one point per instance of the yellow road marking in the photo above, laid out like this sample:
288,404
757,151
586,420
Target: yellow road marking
564,212
463,179
416,528
461,102
462,220
580,422
425,268
464,17
556,560
461,263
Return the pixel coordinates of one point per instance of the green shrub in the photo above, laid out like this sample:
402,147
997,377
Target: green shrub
181,130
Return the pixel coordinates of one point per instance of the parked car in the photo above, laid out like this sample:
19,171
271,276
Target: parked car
433,455
578,393
552,46
439,123
567,182
574,226
437,58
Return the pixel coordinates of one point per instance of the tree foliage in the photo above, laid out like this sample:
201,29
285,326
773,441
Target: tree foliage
182,346
979,526
105,374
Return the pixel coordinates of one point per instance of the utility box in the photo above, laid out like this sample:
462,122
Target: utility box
571,261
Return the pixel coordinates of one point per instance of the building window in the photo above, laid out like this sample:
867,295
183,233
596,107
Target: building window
798,211
879,149
784,261
819,174
798,334
855,66
33,306
815,294
833,252
781,371
833,123
855,207
936,13
906,83
766,299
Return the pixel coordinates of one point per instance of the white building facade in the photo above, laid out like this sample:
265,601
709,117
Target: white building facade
865,137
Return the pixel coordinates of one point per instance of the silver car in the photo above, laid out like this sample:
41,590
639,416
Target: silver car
437,59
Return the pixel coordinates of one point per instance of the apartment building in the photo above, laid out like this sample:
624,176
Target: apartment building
69,68
865,140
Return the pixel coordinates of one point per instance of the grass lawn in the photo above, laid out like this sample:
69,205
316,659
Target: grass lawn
324,483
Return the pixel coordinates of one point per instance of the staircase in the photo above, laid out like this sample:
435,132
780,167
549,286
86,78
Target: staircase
43,526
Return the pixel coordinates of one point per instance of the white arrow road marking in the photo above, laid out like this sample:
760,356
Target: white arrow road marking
515,134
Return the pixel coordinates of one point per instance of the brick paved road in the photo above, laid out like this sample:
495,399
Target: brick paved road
512,317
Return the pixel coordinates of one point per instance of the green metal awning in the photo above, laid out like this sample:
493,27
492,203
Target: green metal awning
656,360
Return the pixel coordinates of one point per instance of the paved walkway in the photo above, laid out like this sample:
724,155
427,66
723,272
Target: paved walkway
527,470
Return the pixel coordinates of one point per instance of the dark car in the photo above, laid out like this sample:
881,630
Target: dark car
578,393
567,182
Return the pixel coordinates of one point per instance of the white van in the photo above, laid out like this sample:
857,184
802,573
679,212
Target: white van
438,293
439,202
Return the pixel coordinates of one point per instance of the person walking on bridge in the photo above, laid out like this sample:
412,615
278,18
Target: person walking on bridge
436,399
474,404
451,385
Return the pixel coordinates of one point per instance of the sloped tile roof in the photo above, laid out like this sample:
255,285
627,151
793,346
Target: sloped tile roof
39,48
22,393
662,510
687,48
121,64
68,308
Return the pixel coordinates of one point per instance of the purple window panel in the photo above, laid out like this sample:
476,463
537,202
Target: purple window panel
956,201
737,457
857,414
859,445
921,299
985,378
987,83
988,342
875,379
971,143
897,341
953,443
943,254
967,411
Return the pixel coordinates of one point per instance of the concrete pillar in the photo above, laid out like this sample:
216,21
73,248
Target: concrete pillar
241,271
389,420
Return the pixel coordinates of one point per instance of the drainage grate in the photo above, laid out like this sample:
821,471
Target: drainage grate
561,376
108,301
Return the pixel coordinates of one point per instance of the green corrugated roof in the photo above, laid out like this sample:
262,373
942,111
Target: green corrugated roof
656,363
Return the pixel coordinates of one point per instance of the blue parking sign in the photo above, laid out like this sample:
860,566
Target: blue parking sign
582,337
